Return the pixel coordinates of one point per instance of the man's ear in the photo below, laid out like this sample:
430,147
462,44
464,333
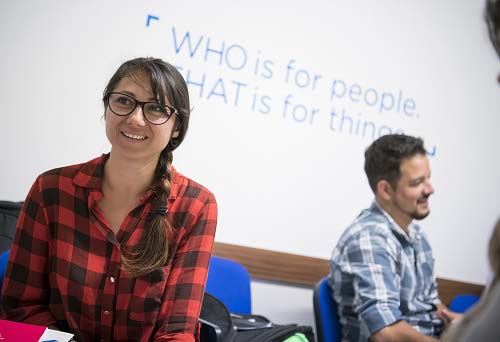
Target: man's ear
385,189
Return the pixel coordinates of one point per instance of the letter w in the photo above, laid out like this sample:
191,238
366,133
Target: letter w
187,38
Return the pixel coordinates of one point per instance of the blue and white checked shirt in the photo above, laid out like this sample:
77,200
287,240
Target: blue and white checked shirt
380,276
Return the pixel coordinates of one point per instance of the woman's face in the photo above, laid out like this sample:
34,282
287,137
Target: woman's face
132,136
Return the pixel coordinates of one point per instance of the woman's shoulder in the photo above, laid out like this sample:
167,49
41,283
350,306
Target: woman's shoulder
86,172
185,187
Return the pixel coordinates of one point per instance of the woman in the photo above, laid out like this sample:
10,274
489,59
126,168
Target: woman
481,323
118,248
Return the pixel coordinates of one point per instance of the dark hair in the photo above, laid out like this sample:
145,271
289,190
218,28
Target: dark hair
492,17
384,156
152,251
494,252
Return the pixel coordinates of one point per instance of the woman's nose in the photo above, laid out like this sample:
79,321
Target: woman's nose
137,117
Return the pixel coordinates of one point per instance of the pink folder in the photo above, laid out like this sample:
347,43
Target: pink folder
22,332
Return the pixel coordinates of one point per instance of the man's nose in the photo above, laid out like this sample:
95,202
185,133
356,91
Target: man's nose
429,189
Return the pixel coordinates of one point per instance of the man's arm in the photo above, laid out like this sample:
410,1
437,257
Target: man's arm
398,332
402,331
372,262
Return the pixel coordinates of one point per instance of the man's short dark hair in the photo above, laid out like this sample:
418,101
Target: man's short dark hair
492,17
384,156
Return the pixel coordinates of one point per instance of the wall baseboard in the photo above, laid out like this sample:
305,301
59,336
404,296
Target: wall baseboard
293,269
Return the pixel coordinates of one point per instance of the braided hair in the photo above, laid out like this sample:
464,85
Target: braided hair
152,251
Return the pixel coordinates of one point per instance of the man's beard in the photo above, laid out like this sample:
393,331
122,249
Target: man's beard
416,215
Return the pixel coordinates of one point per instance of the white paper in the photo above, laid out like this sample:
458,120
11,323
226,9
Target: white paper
55,335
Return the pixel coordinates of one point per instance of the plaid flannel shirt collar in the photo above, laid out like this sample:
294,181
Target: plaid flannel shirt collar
413,229
91,173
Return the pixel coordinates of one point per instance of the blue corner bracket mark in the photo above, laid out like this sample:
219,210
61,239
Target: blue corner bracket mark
432,152
149,18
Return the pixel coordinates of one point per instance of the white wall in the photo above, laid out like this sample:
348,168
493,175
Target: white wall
283,304
282,183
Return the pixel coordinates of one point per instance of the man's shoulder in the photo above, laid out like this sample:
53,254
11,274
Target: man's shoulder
370,231
372,218
368,223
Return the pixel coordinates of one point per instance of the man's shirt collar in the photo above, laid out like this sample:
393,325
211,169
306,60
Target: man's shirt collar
413,229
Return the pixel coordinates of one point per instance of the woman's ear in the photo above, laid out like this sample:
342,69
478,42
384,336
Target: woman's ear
177,129
174,142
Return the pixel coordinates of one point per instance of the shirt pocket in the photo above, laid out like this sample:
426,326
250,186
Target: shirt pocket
147,297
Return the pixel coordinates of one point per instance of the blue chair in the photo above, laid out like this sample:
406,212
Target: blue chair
462,303
4,258
229,281
325,313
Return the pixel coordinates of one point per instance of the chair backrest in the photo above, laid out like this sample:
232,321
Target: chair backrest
229,281
464,302
325,313
4,258
9,212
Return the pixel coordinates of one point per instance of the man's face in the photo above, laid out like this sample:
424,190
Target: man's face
410,198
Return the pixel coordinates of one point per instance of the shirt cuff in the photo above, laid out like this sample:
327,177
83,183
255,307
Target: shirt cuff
181,337
437,301
380,316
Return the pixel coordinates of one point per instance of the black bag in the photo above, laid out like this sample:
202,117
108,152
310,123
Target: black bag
9,212
218,325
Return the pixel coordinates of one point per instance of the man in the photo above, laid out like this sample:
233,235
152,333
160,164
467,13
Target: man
382,269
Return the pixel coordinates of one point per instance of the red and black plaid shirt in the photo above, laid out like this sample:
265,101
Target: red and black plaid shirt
64,266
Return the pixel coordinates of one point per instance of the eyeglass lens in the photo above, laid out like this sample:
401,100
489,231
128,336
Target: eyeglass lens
155,113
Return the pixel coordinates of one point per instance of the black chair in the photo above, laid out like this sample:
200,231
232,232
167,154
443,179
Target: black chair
9,212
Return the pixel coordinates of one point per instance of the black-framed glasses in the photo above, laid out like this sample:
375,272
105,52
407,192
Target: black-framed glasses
154,112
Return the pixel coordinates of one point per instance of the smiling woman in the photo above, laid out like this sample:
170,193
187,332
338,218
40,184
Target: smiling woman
106,249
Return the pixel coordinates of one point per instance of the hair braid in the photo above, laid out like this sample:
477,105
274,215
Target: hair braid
167,85
152,251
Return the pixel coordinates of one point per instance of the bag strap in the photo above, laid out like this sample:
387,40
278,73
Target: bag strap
215,319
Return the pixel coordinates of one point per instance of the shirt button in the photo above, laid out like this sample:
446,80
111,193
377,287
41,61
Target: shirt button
112,279
106,313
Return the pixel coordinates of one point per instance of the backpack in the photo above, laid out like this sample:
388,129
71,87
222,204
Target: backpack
9,212
219,325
